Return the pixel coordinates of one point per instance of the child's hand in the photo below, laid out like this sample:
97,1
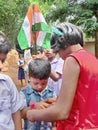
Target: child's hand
49,54
30,116
45,103
51,101
41,105
39,55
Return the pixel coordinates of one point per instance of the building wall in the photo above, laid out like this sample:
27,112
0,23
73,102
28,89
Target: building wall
90,46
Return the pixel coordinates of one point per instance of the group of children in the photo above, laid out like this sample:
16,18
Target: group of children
44,72
38,94
76,106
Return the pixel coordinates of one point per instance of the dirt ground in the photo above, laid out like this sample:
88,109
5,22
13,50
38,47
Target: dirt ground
10,67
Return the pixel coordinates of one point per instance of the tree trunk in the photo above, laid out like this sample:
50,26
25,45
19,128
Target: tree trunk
96,44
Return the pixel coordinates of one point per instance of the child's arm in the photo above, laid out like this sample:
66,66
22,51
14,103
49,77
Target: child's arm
34,105
20,63
43,104
37,105
24,112
17,120
23,104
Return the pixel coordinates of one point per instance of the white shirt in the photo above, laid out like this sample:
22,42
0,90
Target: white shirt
57,66
9,102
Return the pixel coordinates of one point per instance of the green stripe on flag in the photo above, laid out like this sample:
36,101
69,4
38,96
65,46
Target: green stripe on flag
41,27
22,39
46,42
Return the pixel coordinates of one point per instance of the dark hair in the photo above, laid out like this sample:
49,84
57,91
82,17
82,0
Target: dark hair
39,68
66,34
36,48
5,45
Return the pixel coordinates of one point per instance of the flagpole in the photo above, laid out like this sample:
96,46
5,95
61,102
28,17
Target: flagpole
35,45
34,32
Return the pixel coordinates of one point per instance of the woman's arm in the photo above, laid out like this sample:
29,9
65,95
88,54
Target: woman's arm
60,110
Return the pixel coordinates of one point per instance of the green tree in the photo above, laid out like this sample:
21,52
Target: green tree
83,13
12,13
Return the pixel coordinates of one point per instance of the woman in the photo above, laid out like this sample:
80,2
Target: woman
78,99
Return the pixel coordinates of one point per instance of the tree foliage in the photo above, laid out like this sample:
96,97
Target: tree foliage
12,13
81,12
84,15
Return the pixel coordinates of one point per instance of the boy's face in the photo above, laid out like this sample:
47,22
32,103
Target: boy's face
37,84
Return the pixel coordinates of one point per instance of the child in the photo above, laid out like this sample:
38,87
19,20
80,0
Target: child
29,55
9,98
37,91
21,73
55,78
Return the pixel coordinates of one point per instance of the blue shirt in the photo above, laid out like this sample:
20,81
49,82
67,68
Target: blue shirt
32,95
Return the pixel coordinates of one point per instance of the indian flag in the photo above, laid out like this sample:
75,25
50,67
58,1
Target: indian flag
34,29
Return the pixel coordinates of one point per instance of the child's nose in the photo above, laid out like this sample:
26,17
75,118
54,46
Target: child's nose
39,85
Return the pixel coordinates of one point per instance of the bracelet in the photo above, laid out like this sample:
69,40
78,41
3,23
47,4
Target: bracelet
32,104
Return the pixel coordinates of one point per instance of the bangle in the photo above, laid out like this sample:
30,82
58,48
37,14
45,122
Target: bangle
32,104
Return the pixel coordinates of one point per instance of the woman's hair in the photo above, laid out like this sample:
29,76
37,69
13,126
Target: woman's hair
39,68
5,45
64,35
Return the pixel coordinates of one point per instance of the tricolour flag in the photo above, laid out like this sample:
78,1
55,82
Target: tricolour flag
34,29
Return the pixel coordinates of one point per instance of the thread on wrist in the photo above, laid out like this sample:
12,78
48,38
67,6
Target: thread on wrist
32,104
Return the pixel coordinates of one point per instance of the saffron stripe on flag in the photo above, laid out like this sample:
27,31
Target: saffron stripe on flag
34,29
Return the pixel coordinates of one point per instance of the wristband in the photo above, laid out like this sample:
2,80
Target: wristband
32,104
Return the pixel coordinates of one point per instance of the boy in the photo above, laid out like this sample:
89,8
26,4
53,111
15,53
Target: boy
37,94
10,118
56,62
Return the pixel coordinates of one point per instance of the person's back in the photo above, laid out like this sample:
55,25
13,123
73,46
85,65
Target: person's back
86,98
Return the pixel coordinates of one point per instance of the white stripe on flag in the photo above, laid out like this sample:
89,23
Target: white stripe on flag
41,38
26,28
37,18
